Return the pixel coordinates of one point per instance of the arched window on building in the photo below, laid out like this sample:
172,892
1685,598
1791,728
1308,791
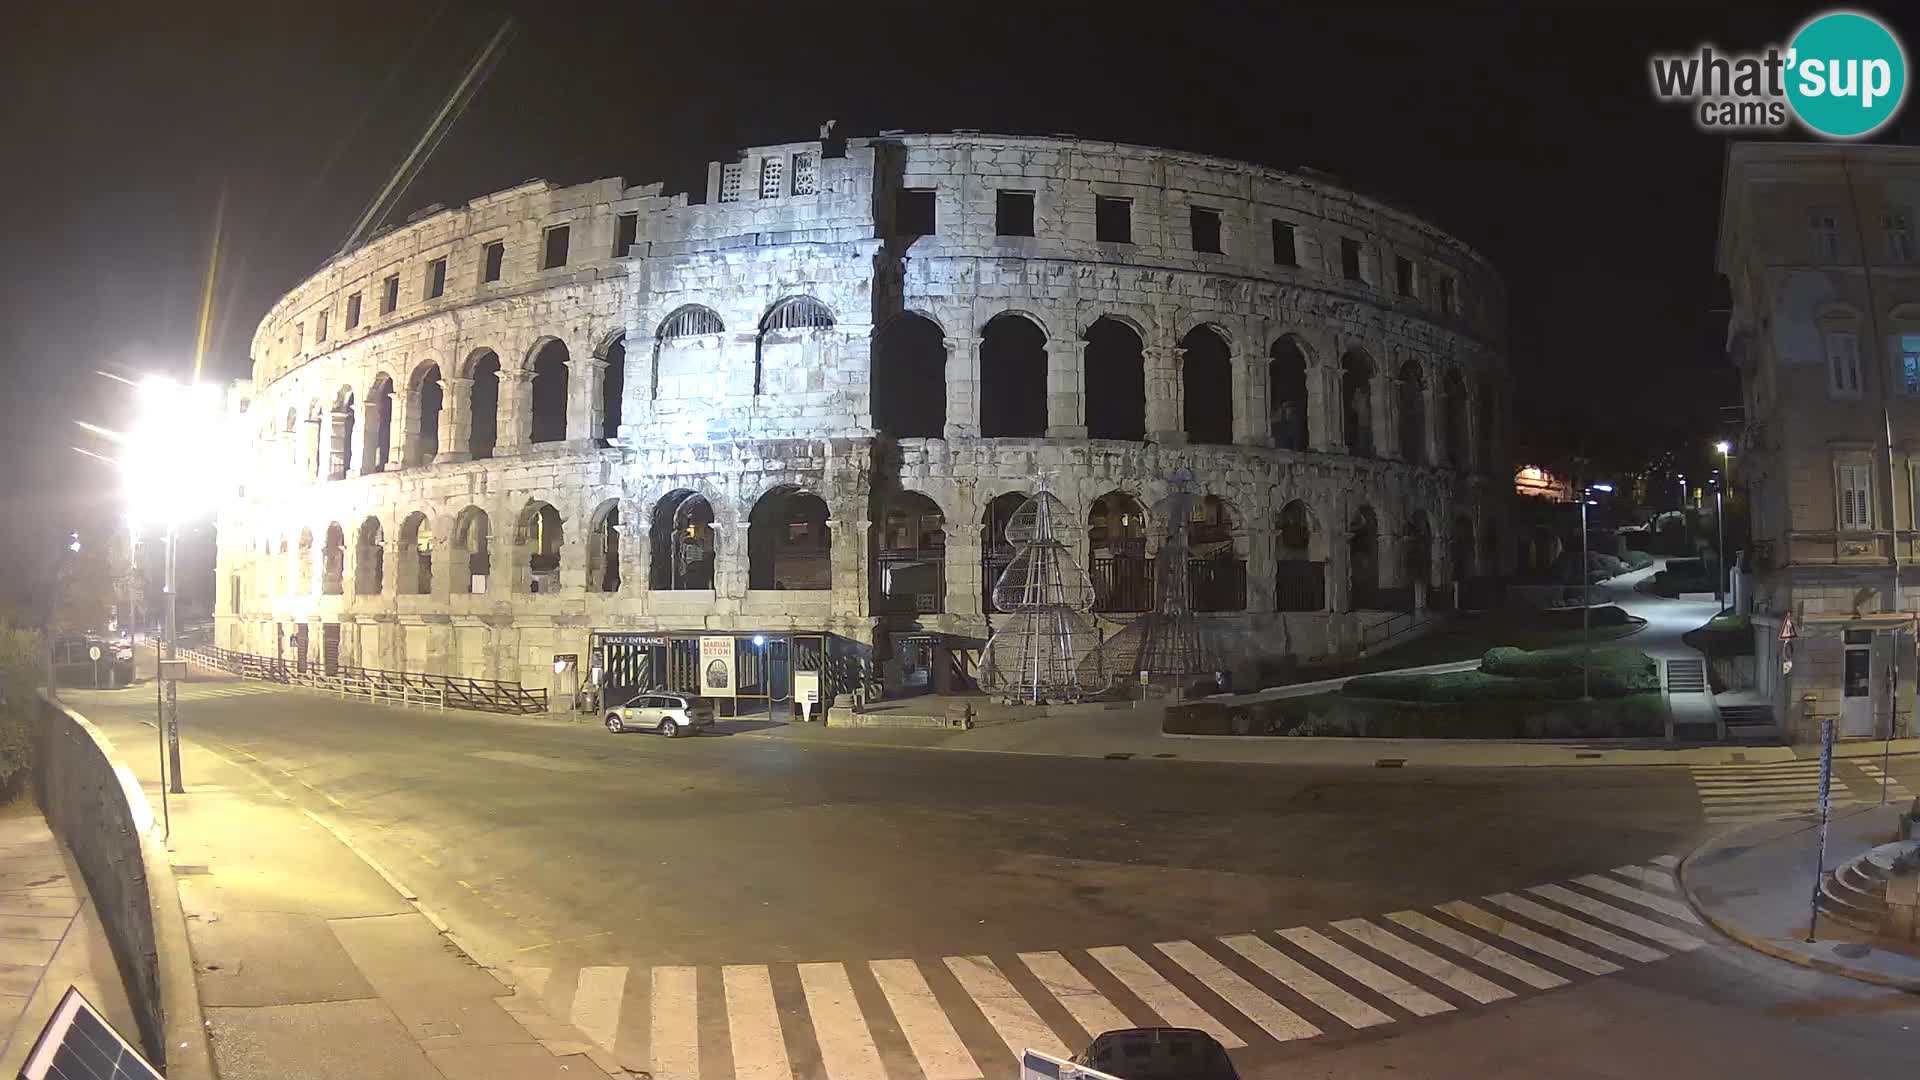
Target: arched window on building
603,549
423,444
538,541
548,422
1413,413
379,426
1454,393
1216,571
682,542
788,543
1300,560
1206,379
1116,382
1363,560
341,445
472,554
788,346
1117,554
997,553
304,567
1356,402
333,561
1461,551
370,559
1287,418
1418,555
484,369
909,379
683,363
1013,378
613,388
415,556
909,556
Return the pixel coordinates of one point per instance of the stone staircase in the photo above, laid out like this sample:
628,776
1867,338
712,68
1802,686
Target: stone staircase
1855,892
1686,676
1749,723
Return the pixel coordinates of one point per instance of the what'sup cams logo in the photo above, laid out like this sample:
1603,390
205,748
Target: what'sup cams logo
1842,76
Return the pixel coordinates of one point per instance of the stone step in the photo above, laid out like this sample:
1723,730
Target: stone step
1843,903
1747,716
1862,890
1686,677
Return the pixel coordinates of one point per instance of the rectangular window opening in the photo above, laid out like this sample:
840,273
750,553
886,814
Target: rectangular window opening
353,311
1013,213
1350,258
320,327
1403,275
771,170
1449,299
1910,364
1205,225
554,252
803,174
390,294
1856,497
436,278
1843,364
492,259
1824,231
913,212
730,182
1113,220
1899,236
1284,252
626,234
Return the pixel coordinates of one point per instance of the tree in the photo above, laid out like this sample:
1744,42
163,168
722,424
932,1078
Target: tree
85,591
21,657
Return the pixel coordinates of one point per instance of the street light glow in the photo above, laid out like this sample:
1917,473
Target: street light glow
173,463
1723,446
1603,487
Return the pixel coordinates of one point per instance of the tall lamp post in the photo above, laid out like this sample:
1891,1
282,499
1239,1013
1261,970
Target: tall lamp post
1720,519
1586,588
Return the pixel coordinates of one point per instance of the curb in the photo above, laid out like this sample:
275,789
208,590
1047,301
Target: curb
1766,946
189,1054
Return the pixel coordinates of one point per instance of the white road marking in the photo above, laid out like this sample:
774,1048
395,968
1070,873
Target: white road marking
1447,972
1306,982
1017,1024
1527,939
936,1046
596,1003
1274,1018
1567,924
1164,998
1087,1005
1474,949
1367,973
753,1024
1665,905
846,1044
676,1024
1668,861
1625,920
1648,875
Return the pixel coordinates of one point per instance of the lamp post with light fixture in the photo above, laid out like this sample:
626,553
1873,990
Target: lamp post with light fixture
1720,519
1586,588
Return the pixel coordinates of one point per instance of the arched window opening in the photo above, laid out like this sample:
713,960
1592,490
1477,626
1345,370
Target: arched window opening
682,541
416,556
379,425
691,321
1117,554
1462,552
909,556
316,447
997,552
1206,377
341,465
1489,412
788,542
1300,569
1413,413
676,364
1363,560
484,370
1116,382
1287,395
305,565
333,561
613,389
549,422
370,559
1356,398
1013,379
603,550
472,557
539,540
1216,573
909,379
428,398
1455,392
1490,551
1419,550
280,569
780,350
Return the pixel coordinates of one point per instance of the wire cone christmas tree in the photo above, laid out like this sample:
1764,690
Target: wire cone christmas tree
1168,644
1048,649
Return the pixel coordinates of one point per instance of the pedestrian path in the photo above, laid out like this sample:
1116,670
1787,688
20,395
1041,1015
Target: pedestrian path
1733,794
968,1017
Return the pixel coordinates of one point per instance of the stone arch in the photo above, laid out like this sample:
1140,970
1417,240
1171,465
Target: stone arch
1453,393
1117,553
675,361
379,424
547,412
414,557
1300,559
1462,552
1418,553
613,385
604,528
1206,379
1216,556
1363,558
1288,418
908,378
333,561
1116,380
1013,377
340,465
305,566
1356,402
909,547
370,558
1489,415
1412,390
423,441
996,551
789,543
483,367
472,552
788,341
539,538
681,540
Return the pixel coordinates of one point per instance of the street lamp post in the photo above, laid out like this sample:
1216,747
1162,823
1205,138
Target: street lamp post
1586,590
1720,519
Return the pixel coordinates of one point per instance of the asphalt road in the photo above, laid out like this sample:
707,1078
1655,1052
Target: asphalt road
564,848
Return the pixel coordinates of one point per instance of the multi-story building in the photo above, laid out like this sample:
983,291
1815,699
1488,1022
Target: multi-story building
1817,244
609,423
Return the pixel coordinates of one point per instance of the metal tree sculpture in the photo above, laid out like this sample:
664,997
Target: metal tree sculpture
1048,651
1173,646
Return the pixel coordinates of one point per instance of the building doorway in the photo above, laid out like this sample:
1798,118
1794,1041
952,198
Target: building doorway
1856,686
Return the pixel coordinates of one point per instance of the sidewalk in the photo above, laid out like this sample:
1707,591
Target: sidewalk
50,938
313,963
1755,884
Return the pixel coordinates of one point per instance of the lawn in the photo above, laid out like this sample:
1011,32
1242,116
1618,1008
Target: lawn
1509,674
1723,635
1471,634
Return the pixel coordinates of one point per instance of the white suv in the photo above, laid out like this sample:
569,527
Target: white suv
669,714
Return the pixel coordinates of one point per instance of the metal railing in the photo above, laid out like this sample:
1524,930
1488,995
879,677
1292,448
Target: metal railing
1300,585
379,685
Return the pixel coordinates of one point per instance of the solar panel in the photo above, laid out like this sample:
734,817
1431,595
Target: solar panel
79,1044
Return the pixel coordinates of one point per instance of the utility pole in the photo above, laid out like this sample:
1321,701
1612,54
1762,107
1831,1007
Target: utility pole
171,719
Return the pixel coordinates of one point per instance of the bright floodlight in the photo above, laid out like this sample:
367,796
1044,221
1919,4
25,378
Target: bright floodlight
1603,487
1723,446
174,462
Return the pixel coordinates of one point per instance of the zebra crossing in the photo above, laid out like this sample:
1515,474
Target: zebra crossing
969,1017
211,691
1736,794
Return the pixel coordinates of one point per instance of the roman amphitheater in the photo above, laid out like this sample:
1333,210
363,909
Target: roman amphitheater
561,429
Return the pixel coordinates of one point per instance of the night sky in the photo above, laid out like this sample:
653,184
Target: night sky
1533,136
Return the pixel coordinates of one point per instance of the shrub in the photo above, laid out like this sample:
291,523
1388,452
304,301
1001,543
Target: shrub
21,668
1612,670
1454,686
